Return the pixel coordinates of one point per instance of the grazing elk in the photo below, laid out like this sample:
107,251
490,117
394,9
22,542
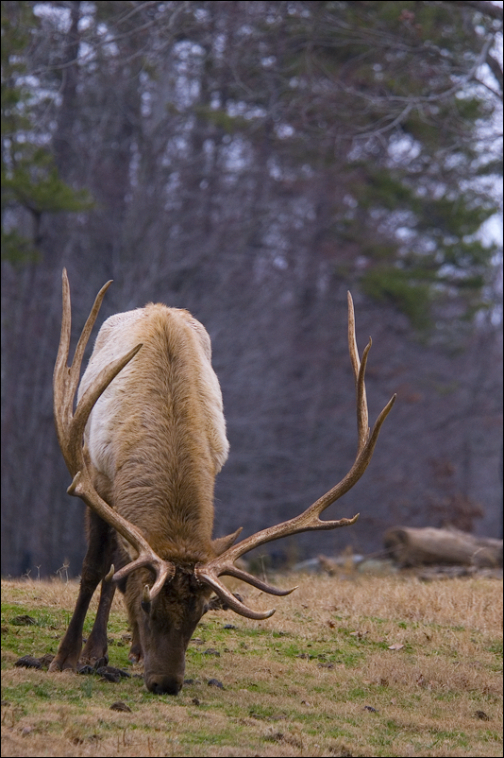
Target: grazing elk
150,412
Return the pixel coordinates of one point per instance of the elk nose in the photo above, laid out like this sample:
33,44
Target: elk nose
164,685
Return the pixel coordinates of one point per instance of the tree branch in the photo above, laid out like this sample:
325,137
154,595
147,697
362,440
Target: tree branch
487,8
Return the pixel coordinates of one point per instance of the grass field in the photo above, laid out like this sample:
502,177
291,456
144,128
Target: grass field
365,666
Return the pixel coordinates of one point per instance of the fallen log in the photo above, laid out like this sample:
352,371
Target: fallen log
420,547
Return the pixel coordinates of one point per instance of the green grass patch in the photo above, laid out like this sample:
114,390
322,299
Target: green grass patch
401,669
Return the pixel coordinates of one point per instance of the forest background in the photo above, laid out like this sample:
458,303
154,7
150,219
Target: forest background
251,162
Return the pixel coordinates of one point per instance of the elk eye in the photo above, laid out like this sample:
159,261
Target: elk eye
146,606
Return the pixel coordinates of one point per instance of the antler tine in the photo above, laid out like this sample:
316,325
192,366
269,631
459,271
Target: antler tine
165,570
308,520
66,379
359,371
70,429
254,581
222,591
211,578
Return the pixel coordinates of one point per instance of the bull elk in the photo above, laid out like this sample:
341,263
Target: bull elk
143,446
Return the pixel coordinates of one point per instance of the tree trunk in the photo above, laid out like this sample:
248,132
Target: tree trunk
416,547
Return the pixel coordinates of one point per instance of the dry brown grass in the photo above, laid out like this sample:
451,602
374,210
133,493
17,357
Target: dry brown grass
300,683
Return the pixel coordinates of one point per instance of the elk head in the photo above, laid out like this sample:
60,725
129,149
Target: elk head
166,596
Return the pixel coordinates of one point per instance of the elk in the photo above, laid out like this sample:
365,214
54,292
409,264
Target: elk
143,446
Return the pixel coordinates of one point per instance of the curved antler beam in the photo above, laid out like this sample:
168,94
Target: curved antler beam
310,519
70,430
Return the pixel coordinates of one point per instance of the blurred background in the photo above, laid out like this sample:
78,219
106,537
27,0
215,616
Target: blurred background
251,162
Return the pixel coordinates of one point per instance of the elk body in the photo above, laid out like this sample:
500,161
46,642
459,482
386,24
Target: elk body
150,413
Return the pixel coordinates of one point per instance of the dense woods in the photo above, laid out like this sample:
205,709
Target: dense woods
251,161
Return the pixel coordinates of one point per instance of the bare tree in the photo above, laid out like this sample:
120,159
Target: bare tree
251,162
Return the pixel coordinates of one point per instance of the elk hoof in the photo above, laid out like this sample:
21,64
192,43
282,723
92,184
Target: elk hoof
57,665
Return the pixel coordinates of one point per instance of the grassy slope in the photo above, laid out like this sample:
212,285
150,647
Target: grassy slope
300,683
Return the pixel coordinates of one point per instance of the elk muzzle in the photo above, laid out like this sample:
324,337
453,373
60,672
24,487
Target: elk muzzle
164,684
164,674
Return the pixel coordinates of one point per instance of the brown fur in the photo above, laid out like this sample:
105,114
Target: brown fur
155,440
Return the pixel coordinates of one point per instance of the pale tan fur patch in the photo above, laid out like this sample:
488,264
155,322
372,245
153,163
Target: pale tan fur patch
158,432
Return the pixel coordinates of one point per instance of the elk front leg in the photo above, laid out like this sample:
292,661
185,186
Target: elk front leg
96,564
95,649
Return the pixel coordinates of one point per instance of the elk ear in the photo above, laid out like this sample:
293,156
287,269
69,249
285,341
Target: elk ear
221,544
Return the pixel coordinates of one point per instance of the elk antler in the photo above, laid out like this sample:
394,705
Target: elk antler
309,520
70,429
